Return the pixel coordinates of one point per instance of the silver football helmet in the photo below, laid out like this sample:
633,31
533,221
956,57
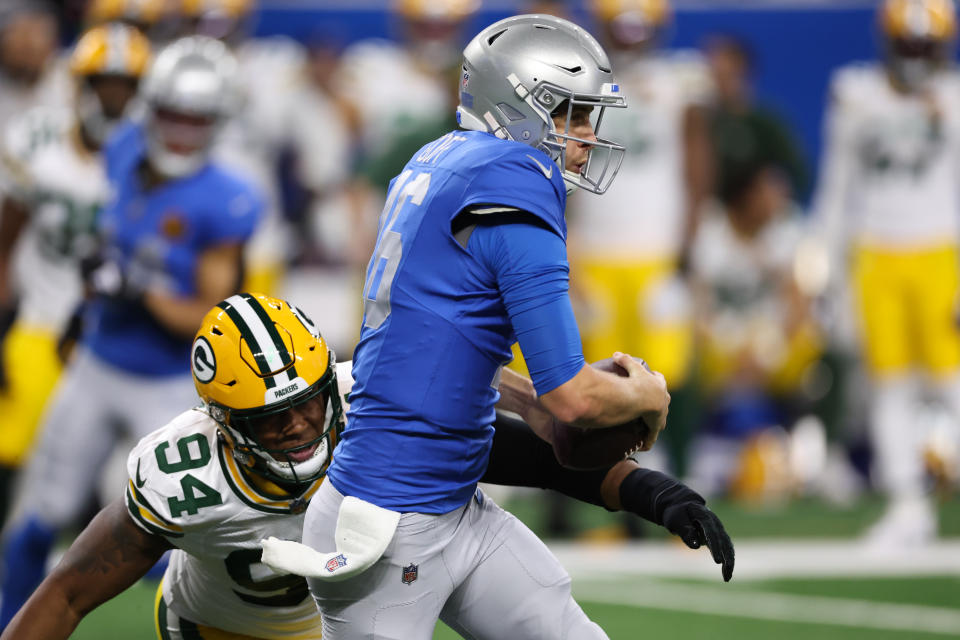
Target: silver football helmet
518,72
190,91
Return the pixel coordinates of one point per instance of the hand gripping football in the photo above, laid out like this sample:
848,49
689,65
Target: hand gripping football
577,448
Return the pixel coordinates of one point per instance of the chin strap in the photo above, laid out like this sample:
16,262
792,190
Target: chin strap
363,532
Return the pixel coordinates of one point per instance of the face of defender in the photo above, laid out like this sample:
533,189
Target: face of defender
580,126
292,435
114,93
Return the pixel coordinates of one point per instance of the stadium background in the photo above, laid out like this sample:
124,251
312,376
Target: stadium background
800,570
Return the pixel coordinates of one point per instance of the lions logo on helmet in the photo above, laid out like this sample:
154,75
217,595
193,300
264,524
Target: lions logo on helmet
254,358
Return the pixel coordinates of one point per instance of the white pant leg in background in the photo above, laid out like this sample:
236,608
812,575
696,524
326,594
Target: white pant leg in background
450,563
94,405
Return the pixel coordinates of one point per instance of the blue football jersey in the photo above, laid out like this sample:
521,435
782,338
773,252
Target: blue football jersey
435,331
158,235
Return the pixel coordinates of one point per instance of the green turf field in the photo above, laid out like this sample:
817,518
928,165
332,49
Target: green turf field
875,609
799,576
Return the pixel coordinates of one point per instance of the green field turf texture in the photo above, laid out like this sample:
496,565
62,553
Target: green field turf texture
129,616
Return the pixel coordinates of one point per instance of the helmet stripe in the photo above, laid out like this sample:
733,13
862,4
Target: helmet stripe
257,307
253,338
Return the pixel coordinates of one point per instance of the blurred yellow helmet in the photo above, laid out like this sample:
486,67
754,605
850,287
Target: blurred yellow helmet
227,8
140,12
441,10
654,12
632,24
255,357
919,19
918,36
110,49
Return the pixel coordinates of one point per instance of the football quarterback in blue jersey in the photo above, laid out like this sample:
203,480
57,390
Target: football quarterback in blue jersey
470,258
172,235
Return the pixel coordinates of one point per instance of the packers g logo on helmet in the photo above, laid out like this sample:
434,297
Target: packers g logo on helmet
204,361
255,357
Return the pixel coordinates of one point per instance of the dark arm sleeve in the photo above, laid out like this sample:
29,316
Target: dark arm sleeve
519,458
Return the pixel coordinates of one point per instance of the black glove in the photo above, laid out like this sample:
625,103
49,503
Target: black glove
104,276
696,525
663,500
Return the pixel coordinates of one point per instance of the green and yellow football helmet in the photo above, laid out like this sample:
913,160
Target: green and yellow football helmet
632,24
255,357
918,38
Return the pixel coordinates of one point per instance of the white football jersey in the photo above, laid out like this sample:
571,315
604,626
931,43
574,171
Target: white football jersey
251,141
391,93
744,281
185,485
643,211
63,185
889,175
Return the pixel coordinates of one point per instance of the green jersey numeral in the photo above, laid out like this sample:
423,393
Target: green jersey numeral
196,493
286,590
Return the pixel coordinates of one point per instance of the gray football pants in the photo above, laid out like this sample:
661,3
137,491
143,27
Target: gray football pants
477,568
93,408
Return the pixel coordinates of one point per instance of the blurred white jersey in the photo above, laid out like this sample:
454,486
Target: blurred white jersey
252,140
643,212
746,276
53,89
390,91
185,485
889,176
63,186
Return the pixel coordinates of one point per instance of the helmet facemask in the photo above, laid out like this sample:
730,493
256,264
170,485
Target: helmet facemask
914,61
102,102
240,428
604,157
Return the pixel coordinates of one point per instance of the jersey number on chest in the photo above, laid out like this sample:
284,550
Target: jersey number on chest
196,493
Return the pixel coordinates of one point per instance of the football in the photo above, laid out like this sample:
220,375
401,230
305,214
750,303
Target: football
577,448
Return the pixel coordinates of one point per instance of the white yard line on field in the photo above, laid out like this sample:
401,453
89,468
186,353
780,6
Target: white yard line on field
781,607
760,560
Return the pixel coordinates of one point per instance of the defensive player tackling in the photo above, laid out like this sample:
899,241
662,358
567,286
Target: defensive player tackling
217,479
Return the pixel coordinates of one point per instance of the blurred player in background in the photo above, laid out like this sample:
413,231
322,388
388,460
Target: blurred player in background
627,246
216,480
281,117
173,234
757,335
758,341
29,73
396,89
887,206
55,186
471,257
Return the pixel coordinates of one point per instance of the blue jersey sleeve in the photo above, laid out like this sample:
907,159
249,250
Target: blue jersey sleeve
124,146
529,263
234,215
524,178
